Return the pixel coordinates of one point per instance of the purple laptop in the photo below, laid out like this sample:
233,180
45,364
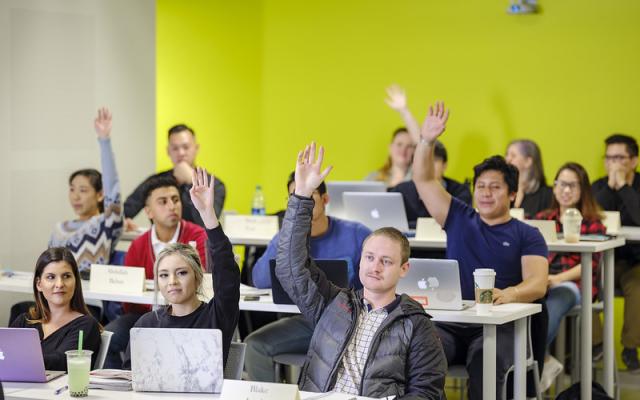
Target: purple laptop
21,357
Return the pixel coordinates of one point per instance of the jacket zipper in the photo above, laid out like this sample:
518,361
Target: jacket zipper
344,348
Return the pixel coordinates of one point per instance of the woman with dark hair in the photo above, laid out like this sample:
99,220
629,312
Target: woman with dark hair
59,312
533,193
571,190
95,199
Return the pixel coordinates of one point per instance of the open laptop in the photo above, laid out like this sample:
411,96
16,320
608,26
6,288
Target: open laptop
546,227
435,284
21,357
176,360
335,189
337,271
376,210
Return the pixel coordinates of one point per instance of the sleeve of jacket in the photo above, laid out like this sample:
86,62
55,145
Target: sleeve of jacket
631,201
226,284
427,364
604,195
260,274
134,203
299,275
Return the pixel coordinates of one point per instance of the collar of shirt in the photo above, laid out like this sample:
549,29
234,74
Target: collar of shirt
158,245
389,307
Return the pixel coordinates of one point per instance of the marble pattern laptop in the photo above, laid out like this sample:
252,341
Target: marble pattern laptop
176,360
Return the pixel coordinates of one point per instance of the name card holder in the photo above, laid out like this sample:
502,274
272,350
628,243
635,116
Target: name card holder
517,213
429,229
117,279
245,390
251,226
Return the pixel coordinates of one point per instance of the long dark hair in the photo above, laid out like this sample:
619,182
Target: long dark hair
95,180
40,312
587,204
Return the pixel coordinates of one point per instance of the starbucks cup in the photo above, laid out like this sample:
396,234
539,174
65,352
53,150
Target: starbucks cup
484,280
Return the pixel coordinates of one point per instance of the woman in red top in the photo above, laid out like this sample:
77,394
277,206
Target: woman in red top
571,190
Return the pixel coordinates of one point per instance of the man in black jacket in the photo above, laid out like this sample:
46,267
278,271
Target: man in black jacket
369,342
413,205
620,191
182,150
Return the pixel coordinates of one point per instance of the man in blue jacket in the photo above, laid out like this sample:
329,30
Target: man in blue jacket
331,238
370,342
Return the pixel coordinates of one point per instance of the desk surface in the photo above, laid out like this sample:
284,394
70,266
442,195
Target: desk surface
19,390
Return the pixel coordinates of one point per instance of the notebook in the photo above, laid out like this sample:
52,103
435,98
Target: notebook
337,271
176,360
335,189
434,283
376,210
21,357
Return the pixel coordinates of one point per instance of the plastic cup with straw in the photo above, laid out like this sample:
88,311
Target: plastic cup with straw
78,367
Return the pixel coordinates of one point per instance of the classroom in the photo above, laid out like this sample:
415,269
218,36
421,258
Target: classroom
406,98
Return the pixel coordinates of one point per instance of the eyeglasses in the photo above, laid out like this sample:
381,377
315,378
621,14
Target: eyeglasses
616,157
566,185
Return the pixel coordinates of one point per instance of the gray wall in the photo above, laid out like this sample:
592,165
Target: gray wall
61,60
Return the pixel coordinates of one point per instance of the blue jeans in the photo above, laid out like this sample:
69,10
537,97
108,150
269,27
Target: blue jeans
560,300
286,335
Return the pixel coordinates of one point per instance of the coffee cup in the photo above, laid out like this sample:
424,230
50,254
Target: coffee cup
484,280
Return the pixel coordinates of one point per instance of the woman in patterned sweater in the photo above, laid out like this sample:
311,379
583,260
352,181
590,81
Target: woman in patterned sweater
95,199
571,190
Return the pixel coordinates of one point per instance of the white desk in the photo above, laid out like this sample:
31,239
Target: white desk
630,233
36,391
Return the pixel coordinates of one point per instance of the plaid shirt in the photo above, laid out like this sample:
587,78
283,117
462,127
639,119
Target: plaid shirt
355,357
560,262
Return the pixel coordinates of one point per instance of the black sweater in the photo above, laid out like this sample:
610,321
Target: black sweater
626,200
65,338
540,200
415,207
222,312
135,201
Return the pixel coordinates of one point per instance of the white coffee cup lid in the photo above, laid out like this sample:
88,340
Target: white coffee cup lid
484,271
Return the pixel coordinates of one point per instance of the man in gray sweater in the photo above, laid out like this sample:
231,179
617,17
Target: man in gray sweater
369,342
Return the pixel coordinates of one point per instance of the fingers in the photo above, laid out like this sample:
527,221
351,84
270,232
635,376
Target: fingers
194,178
320,155
326,172
312,153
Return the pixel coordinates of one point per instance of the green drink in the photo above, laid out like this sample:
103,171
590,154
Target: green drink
78,367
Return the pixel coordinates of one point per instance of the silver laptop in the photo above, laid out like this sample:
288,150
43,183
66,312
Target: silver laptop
376,210
435,284
176,360
21,357
335,189
547,229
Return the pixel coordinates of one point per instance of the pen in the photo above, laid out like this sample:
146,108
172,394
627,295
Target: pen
61,389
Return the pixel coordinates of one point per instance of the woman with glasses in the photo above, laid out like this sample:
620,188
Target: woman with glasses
571,189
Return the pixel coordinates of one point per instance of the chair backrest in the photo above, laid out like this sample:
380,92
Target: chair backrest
105,340
235,361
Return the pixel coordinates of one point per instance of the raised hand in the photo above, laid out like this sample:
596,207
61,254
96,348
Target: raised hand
396,98
435,123
201,193
183,172
102,123
308,174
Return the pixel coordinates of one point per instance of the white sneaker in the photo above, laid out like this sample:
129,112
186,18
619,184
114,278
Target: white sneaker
552,368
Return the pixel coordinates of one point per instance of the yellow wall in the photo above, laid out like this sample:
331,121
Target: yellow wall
208,76
258,79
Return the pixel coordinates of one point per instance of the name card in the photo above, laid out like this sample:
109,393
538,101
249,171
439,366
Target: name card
251,226
429,229
517,213
245,390
116,279
612,222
